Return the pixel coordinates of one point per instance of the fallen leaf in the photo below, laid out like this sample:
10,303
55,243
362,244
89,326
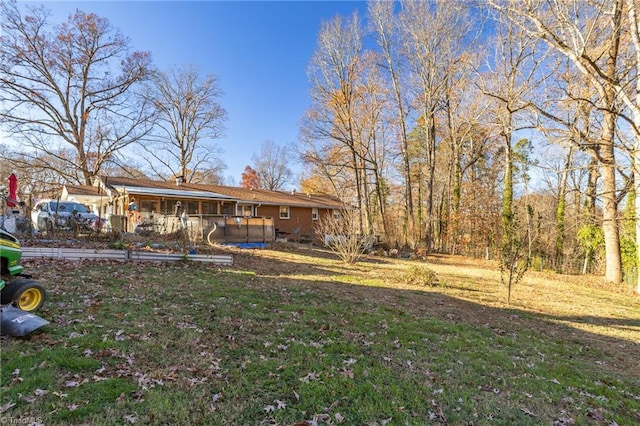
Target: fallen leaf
130,418
269,409
347,374
28,399
349,361
527,411
7,406
597,413
311,376
280,404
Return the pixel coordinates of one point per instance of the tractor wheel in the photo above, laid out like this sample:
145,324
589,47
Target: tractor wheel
25,294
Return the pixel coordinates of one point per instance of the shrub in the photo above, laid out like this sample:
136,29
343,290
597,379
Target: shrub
340,235
422,276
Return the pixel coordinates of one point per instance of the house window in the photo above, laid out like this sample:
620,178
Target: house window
209,208
245,210
337,214
314,213
166,206
148,206
284,212
228,209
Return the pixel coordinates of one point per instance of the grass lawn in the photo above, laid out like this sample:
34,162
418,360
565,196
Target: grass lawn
295,337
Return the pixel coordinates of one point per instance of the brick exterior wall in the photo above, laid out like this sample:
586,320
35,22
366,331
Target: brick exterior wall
299,217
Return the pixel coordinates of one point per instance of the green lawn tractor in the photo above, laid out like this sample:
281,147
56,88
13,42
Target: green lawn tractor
20,295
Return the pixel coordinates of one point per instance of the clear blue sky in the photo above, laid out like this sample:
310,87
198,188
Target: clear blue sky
258,49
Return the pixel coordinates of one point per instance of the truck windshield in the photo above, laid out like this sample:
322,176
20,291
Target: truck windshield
68,207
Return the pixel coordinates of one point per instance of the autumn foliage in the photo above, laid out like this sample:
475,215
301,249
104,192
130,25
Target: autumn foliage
250,178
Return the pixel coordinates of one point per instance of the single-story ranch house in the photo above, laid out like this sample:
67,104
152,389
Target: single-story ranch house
217,213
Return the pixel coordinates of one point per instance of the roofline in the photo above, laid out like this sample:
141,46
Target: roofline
295,199
171,192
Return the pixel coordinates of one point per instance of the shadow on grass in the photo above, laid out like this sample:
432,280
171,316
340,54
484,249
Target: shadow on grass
428,302
629,323
240,316
618,354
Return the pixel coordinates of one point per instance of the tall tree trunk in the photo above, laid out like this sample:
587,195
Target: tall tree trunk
382,16
636,183
610,228
560,213
590,206
431,156
508,227
358,185
382,201
632,8
607,158
368,202
507,192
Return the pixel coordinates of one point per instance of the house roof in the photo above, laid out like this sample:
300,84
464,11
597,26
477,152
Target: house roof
251,196
83,190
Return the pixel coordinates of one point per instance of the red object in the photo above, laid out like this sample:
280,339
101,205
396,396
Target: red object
12,200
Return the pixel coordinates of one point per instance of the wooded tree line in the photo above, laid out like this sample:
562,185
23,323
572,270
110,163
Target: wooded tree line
452,124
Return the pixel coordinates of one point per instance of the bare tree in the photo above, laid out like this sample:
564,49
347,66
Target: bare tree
509,84
272,166
33,179
385,29
466,141
189,118
346,133
568,116
331,121
67,90
591,35
433,39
